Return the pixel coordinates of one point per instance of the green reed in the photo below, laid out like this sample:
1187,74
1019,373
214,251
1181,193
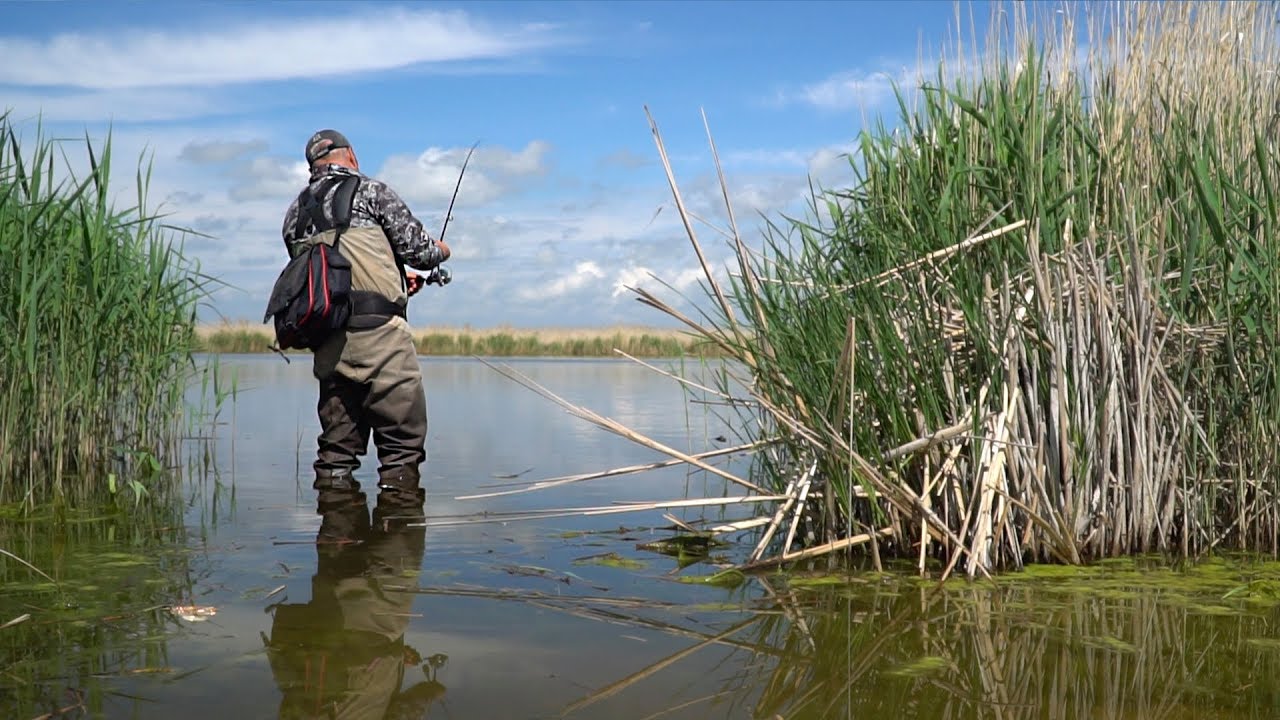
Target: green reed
97,317
1042,322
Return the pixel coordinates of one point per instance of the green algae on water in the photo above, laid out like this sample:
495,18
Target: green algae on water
614,560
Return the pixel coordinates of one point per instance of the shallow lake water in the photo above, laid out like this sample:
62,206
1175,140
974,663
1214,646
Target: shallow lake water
567,617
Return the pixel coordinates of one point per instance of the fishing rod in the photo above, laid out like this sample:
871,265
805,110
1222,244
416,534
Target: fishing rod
449,214
441,275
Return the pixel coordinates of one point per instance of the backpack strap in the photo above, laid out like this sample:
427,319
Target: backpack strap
343,202
311,206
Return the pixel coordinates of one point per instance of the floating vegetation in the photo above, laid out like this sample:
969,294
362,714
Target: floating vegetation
728,578
612,559
113,597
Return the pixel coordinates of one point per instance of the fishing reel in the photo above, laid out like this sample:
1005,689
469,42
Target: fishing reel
439,275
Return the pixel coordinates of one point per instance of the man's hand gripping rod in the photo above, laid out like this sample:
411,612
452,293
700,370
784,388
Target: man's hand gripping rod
440,275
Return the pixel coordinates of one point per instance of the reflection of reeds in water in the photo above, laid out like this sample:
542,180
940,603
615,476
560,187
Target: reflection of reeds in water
1018,651
104,619
1043,323
1116,643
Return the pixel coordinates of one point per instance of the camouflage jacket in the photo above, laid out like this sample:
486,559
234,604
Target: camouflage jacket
375,204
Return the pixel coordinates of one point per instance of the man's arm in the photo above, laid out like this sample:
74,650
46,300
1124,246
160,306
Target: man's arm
290,227
408,237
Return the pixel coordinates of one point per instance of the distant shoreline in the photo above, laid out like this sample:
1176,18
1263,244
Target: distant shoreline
501,341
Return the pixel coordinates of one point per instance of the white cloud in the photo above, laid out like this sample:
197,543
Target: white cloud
126,106
430,177
627,159
760,156
681,279
272,50
584,273
848,90
820,163
268,176
210,152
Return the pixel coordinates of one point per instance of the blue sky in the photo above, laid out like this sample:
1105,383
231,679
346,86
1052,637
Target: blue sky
557,211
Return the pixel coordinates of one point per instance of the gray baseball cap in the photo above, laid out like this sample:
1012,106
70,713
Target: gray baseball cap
323,142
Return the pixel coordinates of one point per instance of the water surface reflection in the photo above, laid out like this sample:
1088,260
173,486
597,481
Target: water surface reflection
334,615
342,654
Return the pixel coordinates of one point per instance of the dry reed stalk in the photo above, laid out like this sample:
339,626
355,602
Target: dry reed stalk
745,270
683,381
582,477
739,525
945,470
688,226
648,298
16,621
816,551
942,254
930,258
618,428
790,495
491,517
28,565
688,704
620,685
679,523
802,494
932,440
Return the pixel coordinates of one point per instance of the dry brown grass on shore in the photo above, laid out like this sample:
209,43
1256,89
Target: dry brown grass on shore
548,334
502,340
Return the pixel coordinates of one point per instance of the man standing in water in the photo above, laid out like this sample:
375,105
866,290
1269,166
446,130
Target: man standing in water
370,381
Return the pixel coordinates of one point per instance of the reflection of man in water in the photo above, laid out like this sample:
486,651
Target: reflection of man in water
342,655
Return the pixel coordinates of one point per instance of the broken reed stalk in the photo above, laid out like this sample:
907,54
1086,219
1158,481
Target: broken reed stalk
818,550
683,381
778,514
627,470
802,494
491,517
618,428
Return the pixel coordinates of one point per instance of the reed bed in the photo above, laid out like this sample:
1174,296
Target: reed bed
1041,325
494,342
97,317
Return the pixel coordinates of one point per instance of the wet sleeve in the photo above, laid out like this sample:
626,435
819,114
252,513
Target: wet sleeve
408,238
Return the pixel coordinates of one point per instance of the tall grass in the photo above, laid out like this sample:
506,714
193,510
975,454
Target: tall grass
97,317
1042,322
